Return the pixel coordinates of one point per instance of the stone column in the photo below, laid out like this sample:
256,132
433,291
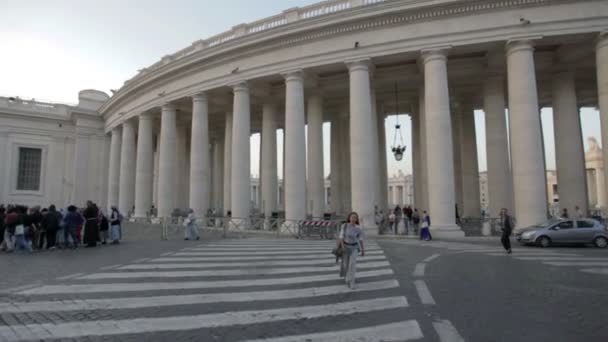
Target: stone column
440,162
600,186
182,170
601,61
526,136
374,162
199,156
144,170
295,149
241,166
228,164
424,179
456,119
500,180
383,200
416,160
126,192
335,167
269,159
569,151
218,174
471,202
167,159
114,174
315,156
156,171
345,162
361,145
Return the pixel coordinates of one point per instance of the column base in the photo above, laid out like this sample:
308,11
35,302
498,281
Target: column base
446,232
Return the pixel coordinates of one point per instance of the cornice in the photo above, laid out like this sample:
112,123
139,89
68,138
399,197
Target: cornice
356,19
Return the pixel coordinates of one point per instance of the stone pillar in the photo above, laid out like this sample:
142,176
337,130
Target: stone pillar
156,171
440,162
471,203
345,162
500,180
199,156
126,192
601,61
416,159
526,136
167,159
269,175
383,200
182,170
335,167
241,166
424,179
456,119
374,162
569,151
114,174
600,186
228,164
361,145
315,156
144,170
218,174
295,149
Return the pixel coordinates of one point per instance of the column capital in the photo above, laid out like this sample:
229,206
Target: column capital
240,86
169,106
200,97
602,39
145,116
293,75
359,64
436,53
521,44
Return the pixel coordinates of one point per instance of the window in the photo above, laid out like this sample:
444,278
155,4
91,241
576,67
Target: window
28,172
584,224
566,225
555,189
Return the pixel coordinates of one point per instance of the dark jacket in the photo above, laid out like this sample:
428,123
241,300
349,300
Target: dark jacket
51,221
507,225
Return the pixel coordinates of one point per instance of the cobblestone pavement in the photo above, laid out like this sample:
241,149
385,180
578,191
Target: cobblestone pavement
288,290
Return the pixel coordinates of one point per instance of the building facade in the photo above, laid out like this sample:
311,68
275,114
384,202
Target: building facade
178,131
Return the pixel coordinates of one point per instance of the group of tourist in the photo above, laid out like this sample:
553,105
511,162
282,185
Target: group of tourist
29,229
411,218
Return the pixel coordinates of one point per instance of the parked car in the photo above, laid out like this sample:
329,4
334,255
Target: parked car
565,231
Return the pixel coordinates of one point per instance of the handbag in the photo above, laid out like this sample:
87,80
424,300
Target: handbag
337,251
19,229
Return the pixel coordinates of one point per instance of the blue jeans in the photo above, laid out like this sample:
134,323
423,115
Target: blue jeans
21,243
70,232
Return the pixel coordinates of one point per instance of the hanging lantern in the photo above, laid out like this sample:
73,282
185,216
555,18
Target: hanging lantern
397,148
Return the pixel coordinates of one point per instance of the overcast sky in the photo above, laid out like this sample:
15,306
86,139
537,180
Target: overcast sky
51,49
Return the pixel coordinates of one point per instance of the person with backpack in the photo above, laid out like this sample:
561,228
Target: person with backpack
416,221
115,225
72,221
10,222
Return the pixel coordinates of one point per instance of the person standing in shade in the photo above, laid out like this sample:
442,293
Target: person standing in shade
398,212
91,226
416,221
507,229
425,232
351,241
115,222
50,223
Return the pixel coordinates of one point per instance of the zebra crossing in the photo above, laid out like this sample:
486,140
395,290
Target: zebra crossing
270,290
550,257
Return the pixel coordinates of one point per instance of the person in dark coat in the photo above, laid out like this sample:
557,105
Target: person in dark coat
91,226
50,223
507,229
72,220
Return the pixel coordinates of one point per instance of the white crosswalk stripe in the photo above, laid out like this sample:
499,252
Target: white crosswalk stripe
270,282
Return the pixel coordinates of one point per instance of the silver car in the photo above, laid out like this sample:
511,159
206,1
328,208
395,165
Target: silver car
565,231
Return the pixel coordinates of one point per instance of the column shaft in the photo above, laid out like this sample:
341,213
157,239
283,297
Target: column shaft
295,148
500,180
456,119
241,166
569,151
374,161
269,159
361,145
199,156
416,159
114,172
228,164
144,170
218,174
526,137
601,54
315,156
167,159
440,162
383,200
424,181
126,192
471,203
335,167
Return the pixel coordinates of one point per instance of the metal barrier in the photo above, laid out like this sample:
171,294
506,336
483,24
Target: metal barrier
324,229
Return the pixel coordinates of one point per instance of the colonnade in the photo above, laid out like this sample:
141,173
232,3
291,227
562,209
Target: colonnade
444,147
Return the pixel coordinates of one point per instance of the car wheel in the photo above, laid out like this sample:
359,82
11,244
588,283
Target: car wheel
543,241
600,242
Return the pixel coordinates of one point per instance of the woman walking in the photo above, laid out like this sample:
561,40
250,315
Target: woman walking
425,233
115,229
191,232
351,241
